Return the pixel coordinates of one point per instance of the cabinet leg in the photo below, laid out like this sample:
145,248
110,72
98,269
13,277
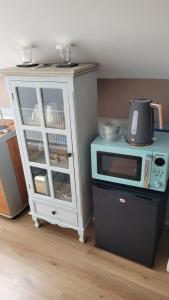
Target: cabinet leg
82,236
37,222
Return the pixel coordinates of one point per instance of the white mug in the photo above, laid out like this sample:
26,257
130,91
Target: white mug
51,113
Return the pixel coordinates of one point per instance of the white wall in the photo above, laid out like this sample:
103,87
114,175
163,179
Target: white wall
129,38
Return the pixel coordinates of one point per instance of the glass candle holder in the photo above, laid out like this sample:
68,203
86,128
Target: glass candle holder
64,53
25,54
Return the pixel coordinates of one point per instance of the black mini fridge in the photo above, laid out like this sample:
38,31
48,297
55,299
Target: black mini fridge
128,220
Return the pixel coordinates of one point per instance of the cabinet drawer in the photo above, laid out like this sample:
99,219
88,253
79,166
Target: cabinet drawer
56,213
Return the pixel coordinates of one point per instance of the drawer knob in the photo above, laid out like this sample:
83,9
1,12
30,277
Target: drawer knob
53,212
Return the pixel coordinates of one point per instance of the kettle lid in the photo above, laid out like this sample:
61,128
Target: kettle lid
142,100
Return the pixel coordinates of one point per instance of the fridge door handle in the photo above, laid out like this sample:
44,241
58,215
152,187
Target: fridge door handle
122,200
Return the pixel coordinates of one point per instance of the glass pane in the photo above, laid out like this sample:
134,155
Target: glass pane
53,108
62,187
119,165
29,106
35,146
40,180
58,150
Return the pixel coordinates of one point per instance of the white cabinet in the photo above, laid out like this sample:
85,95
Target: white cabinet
56,119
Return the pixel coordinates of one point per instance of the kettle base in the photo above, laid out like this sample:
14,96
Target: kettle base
140,145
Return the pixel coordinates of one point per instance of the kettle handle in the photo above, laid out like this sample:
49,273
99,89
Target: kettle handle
160,113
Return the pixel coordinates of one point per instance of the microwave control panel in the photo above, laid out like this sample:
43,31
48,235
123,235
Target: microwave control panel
159,171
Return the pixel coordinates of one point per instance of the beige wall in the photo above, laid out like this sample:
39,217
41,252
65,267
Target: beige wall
114,94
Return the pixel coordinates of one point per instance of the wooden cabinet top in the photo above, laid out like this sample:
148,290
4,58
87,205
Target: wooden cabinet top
52,70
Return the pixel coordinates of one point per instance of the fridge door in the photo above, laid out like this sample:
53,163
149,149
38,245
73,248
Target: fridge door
127,223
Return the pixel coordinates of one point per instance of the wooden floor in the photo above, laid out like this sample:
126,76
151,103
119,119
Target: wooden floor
50,263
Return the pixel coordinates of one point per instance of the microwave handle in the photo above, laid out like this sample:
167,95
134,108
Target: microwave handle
147,169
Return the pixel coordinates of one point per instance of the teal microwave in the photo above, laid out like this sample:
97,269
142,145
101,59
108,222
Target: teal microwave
144,167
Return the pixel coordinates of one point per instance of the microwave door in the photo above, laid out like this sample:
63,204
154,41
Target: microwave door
119,166
125,167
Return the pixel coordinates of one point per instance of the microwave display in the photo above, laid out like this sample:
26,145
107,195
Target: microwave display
119,165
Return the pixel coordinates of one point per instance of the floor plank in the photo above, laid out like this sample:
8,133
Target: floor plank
50,263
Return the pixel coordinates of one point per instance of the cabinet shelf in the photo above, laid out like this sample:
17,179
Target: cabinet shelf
53,118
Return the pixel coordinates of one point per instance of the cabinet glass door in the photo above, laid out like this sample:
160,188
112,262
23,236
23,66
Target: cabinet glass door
58,152
40,181
28,104
47,149
35,146
53,105
62,186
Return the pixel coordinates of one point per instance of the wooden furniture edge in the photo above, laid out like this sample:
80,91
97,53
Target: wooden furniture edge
50,71
4,208
17,166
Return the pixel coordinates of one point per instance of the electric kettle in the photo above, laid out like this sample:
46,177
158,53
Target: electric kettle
140,130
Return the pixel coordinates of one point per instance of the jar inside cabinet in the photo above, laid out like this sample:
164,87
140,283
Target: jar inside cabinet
40,181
